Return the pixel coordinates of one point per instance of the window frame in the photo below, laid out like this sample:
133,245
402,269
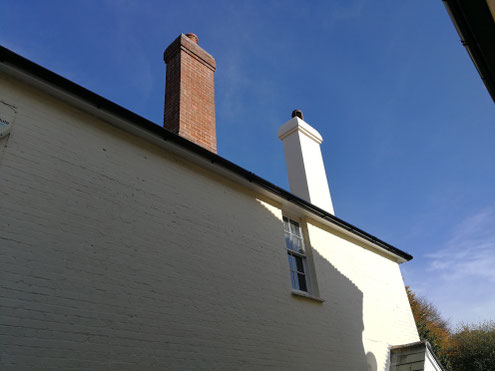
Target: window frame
302,253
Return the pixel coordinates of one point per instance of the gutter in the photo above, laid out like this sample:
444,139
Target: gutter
475,25
24,69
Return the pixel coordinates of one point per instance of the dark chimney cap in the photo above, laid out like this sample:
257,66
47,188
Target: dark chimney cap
193,37
298,113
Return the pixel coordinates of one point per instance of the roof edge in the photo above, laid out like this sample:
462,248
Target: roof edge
9,58
477,40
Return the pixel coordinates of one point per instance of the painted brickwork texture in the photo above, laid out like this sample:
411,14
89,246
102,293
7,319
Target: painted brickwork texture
116,255
344,268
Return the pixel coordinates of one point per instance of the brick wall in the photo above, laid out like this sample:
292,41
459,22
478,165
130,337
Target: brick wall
386,316
190,93
117,255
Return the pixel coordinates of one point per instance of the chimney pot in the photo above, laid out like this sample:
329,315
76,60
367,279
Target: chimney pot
297,113
193,37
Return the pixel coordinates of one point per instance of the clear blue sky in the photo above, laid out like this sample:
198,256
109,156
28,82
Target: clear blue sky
408,126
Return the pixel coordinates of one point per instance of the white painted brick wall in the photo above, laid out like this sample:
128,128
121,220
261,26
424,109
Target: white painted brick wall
118,255
369,287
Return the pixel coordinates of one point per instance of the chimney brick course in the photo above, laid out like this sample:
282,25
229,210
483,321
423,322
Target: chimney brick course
190,92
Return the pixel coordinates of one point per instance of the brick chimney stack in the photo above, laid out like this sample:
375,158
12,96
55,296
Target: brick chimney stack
190,92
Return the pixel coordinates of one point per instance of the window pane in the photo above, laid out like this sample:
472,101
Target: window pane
295,228
287,242
302,282
286,224
293,279
297,244
300,264
292,244
292,262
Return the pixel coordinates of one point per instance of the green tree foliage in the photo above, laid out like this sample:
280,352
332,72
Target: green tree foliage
472,347
431,327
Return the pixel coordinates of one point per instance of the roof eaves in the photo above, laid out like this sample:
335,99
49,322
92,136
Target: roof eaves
12,59
475,25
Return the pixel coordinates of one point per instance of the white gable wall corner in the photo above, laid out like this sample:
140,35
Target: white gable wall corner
431,361
118,254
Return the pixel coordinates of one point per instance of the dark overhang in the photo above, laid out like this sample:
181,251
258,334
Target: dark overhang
12,59
475,23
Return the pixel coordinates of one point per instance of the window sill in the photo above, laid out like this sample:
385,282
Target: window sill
304,294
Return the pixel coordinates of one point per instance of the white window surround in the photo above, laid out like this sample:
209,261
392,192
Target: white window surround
300,267
307,295
294,242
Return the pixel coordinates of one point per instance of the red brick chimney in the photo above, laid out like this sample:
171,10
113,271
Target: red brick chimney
190,92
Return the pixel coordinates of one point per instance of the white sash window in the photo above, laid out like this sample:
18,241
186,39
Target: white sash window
296,253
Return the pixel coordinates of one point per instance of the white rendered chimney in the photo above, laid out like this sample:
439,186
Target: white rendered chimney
307,177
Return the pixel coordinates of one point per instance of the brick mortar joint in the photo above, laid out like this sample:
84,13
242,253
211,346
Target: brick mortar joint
198,58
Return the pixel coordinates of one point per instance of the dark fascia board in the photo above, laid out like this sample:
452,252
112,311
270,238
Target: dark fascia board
476,28
12,59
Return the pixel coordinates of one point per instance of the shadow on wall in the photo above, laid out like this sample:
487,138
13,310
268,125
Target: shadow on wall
340,318
176,268
371,361
335,327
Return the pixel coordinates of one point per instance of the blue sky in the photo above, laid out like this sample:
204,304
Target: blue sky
408,126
